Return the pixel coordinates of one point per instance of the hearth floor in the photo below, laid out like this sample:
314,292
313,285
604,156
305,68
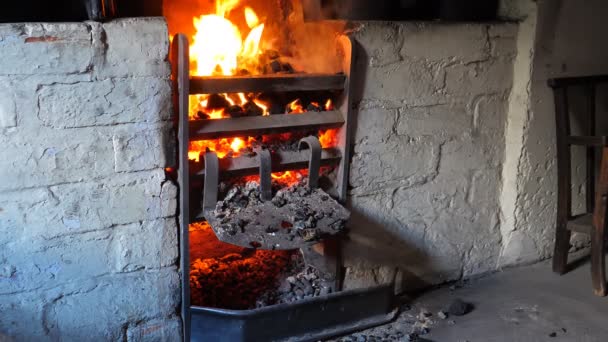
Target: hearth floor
523,304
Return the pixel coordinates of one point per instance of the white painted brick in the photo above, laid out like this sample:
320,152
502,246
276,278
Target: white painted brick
447,41
143,148
21,317
159,247
382,42
80,207
40,48
44,264
136,47
98,310
374,125
399,162
38,156
442,121
8,107
168,198
394,83
107,102
490,77
165,330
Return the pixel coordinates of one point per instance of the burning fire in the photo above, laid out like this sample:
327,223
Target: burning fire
218,49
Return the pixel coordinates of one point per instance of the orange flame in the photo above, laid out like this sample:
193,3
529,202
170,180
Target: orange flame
218,48
218,43
251,18
295,107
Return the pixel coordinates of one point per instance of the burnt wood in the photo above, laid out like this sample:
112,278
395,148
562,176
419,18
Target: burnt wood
266,83
281,161
256,125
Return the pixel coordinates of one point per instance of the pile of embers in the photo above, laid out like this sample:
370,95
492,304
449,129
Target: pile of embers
238,281
295,215
247,278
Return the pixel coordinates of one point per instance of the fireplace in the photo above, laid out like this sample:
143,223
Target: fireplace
264,155
92,186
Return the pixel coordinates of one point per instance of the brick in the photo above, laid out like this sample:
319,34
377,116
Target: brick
21,317
107,102
43,264
445,41
441,121
38,156
8,108
159,330
43,48
100,310
168,198
473,79
159,250
80,207
400,161
374,125
393,83
382,42
143,148
136,47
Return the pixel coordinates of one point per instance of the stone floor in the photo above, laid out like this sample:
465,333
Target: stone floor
524,304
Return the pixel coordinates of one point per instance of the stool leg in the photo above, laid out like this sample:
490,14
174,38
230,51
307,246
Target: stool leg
598,245
562,234
561,248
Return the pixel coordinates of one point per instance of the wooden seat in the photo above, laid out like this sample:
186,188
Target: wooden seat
593,222
588,141
581,224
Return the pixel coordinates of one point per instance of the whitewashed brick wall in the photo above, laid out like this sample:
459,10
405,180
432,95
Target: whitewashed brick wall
429,150
88,235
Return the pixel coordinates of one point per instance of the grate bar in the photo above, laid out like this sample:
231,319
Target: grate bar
281,161
266,83
257,125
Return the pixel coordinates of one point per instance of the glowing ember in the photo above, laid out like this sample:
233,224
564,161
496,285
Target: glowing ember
222,147
328,138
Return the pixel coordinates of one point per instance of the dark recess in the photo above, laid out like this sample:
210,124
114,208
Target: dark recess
73,10
76,10
450,10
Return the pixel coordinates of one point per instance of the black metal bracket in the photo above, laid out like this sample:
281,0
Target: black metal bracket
314,164
265,174
212,177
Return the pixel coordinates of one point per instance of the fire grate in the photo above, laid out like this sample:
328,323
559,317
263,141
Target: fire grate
207,173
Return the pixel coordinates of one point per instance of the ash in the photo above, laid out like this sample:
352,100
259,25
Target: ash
296,215
306,284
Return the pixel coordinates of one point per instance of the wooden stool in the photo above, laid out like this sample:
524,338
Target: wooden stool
594,221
